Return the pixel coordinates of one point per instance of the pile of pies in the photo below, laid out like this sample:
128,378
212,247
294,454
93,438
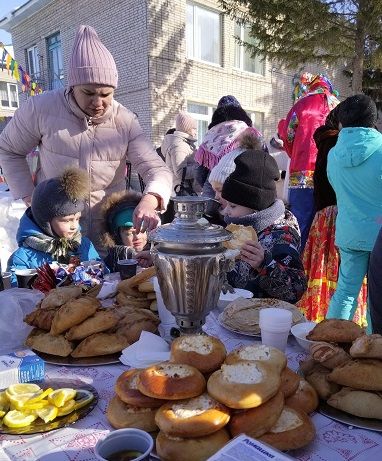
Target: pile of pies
345,367
202,397
243,315
68,323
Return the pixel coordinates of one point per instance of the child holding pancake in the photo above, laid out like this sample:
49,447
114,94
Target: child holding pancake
270,267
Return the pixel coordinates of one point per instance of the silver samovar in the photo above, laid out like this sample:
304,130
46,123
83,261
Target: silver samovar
191,262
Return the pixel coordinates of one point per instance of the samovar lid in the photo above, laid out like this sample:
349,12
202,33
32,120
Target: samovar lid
189,226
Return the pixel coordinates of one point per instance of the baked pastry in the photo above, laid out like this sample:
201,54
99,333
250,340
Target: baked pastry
359,403
267,354
294,429
304,399
257,421
59,296
244,384
128,290
369,346
126,388
72,313
146,287
100,344
317,377
171,381
151,295
203,352
329,355
141,277
335,331
125,300
364,374
41,318
196,417
121,415
196,449
133,323
43,341
241,234
289,382
100,321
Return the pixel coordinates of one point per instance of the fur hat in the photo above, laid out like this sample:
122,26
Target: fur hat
358,111
185,123
228,100
117,210
61,196
91,61
252,184
226,165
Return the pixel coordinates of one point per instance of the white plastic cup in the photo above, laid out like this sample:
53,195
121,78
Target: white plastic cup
125,439
7,280
167,320
275,325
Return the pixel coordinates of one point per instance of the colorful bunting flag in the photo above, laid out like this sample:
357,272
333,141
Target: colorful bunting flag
18,73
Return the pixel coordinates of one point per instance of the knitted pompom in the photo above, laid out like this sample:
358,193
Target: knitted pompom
75,183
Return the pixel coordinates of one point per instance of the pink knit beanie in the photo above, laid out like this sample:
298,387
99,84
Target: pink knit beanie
91,61
185,123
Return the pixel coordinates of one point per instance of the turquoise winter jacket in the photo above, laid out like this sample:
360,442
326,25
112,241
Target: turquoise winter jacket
355,172
28,258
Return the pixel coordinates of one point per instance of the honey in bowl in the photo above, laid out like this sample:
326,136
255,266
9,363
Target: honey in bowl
124,455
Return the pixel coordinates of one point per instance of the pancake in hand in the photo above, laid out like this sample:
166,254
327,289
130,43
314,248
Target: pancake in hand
241,234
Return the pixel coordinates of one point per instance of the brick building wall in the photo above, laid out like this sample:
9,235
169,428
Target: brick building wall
148,41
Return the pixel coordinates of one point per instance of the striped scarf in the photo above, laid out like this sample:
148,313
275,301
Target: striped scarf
60,248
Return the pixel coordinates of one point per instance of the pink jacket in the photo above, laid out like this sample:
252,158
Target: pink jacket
54,122
296,132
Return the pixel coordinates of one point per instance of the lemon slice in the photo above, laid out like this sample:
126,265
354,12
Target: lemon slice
22,388
35,405
49,413
40,395
86,398
18,401
67,408
60,396
2,413
17,418
4,402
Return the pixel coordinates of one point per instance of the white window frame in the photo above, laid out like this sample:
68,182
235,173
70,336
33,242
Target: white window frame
201,117
10,107
190,47
33,57
242,50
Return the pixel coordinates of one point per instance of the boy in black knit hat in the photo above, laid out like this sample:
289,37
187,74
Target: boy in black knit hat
271,267
49,230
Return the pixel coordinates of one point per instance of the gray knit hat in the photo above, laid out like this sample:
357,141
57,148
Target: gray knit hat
60,196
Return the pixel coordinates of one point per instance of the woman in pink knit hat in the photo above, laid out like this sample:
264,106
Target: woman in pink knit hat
82,125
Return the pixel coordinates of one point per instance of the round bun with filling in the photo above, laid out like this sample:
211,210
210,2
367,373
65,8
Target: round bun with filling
121,415
203,352
257,421
197,449
194,417
171,381
294,429
304,399
289,382
126,388
244,384
260,352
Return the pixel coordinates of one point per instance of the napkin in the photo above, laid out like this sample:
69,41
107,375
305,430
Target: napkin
108,289
148,350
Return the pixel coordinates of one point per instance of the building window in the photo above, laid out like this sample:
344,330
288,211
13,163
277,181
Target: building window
8,95
33,63
243,59
55,66
203,115
203,34
257,120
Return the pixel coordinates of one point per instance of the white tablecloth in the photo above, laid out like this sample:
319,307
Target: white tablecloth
334,441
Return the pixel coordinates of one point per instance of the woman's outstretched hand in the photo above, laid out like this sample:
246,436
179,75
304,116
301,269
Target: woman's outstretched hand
145,217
